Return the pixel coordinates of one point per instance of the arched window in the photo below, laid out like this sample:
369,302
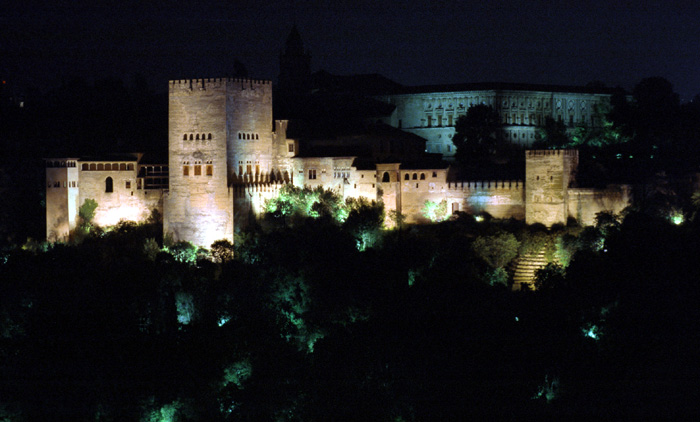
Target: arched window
209,136
108,167
406,177
85,166
191,137
184,137
122,166
93,167
415,176
109,185
256,136
129,166
197,137
422,176
385,177
100,167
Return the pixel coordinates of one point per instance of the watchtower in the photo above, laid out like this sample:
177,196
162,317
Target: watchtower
61,198
548,174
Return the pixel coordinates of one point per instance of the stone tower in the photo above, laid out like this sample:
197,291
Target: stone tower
61,198
548,174
220,134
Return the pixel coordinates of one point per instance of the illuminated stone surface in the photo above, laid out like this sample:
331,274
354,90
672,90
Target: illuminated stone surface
226,159
432,111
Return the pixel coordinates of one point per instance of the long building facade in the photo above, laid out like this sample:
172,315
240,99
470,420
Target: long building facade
432,111
227,156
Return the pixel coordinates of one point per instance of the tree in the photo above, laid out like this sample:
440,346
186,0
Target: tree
297,203
478,134
497,250
222,251
87,210
365,220
655,115
552,134
436,212
606,134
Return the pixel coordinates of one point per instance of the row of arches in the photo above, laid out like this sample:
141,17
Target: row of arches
248,136
197,136
107,166
51,164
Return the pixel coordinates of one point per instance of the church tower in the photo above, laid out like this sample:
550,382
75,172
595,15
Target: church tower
295,66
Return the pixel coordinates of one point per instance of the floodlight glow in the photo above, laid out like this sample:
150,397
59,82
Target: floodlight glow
479,218
591,331
676,218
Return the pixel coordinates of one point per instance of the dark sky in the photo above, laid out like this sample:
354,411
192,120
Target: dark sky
412,42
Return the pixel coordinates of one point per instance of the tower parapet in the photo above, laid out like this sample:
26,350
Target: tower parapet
187,85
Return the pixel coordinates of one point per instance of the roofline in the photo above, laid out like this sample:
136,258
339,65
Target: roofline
506,86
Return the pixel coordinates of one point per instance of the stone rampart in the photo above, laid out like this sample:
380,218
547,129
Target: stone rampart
500,198
584,204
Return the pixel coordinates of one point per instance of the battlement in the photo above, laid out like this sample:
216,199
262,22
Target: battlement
491,185
552,152
215,83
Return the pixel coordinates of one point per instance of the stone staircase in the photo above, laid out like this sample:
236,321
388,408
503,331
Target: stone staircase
525,267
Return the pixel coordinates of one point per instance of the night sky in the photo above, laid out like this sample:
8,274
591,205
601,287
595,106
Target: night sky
411,42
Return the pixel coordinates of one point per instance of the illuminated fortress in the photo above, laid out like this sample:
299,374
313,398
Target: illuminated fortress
227,155
226,158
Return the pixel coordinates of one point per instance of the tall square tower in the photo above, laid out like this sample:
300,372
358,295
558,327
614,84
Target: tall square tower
220,134
548,174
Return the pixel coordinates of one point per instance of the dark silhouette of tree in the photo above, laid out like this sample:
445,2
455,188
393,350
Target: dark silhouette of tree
478,135
552,135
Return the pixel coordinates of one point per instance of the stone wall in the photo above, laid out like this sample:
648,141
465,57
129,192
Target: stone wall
118,192
125,201
584,204
499,198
